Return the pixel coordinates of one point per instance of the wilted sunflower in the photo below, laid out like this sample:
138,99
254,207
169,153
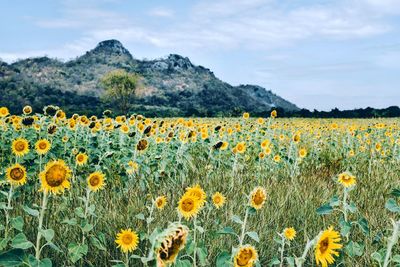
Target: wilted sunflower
218,200
127,240
55,177
160,202
327,246
95,181
289,233
197,192
16,175
42,146
245,257
169,243
20,147
258,197
142,145
346,179
81,159
188,206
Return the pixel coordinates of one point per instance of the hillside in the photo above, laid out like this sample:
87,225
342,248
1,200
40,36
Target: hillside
172,86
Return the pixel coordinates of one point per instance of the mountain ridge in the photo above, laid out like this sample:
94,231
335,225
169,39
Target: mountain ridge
172,85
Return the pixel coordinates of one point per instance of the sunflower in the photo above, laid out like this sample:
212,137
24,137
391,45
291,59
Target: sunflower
346,179
16,174
4,112
169,243
240,147
274,113
289,233
197,192
42,146
188,206
81,159
127,240
142,145
277,158
245,257
246,115
27,110
96,181
160,202
327,246
302,152
20,147
218,200
258,197
55,177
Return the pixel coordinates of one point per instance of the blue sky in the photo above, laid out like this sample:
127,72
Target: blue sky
317,54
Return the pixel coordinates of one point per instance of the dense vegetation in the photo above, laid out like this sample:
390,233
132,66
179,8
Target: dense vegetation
239,191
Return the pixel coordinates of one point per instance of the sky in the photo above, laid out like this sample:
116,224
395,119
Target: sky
318,54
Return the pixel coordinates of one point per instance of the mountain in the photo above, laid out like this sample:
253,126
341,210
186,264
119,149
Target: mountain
173,86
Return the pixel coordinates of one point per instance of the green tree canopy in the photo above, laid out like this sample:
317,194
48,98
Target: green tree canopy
120,88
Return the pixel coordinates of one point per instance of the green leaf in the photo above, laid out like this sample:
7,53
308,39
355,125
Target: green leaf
79,212
395,192
237,219
224,259
334,201
183,263
363,223
20,241
354,249
12,258
48,234
17,223
202,255
325,209
199,229
351,207
227,230
39,263
290,261
72,221
96,242
396,258
30,211
254,236
140,216
87,227
274,261
345,227
76,252
377,257
392,206
3,243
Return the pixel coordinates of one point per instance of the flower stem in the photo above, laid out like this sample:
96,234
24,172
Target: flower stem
244,227
41,216
391,242
194,241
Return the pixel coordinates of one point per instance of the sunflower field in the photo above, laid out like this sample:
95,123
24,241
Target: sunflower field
136,191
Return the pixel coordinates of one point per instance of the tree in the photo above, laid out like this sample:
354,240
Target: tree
120,88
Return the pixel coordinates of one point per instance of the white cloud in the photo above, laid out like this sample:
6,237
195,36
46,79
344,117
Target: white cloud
162,12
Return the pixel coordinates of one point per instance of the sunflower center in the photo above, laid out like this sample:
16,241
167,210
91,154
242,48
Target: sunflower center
127,239
244,257
324,244
258,198
94,180
80,158
188,205
19,146
55,175
42,145
17,174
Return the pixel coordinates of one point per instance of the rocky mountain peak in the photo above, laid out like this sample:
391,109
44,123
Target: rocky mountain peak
111,47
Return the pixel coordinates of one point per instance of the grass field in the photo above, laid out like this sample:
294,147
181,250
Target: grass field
70,185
